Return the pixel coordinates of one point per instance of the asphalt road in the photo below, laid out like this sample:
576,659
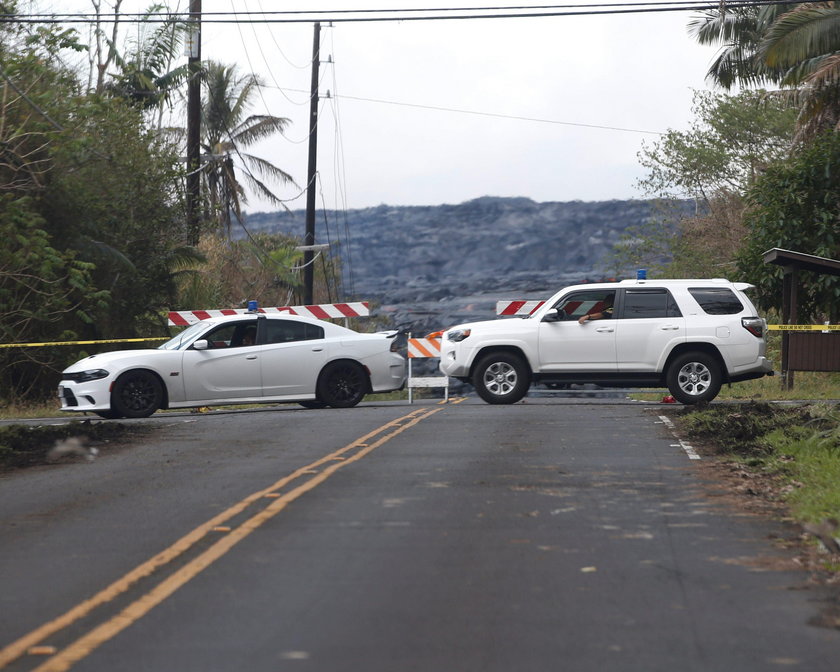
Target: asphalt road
549,535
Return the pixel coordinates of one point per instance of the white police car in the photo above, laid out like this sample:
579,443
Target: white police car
238,359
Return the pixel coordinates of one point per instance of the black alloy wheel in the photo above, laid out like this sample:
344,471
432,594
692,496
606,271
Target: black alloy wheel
342,384
137,394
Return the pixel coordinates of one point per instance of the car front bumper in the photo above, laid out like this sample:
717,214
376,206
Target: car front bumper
90,396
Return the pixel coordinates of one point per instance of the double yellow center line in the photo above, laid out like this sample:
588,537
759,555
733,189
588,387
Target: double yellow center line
278,496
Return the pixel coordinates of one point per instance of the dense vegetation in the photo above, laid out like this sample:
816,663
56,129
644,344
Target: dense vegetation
762,165
92,206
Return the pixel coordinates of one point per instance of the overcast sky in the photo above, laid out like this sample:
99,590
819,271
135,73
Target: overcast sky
380,143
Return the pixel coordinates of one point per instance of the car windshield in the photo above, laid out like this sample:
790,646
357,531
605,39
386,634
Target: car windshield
185,336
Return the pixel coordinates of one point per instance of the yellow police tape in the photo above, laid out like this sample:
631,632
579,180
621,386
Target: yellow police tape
803,327
110,340
771,327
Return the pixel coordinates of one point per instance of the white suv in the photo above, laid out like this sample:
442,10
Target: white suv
688,335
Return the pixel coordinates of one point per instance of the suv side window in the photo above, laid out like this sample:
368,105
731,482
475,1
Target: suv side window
640,303
579,304
288,331
717,300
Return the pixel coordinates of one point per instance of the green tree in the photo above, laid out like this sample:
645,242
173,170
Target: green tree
262,268
41,291
728,145
148,75
795,205
114,196
227,133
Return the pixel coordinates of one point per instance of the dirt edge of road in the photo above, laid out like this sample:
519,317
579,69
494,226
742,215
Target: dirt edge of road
729,481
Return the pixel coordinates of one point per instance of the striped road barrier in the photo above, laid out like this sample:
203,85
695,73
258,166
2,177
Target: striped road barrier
324,311
423,348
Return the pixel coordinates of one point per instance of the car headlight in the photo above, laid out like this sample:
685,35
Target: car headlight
458,335
85,376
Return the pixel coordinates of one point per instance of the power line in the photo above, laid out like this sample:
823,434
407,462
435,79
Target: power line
496,115
415,14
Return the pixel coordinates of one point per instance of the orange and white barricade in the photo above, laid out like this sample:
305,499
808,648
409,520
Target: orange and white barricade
423,348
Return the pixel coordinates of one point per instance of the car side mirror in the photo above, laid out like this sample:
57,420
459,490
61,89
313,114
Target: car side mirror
200,345
553,315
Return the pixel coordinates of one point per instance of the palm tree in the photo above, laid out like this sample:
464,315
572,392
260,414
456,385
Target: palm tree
227,132
738,31
796,47
805,43
146,75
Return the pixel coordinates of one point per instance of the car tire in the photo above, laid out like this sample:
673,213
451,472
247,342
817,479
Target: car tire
108,415
342,384
694,377
313,404
137,394
501,378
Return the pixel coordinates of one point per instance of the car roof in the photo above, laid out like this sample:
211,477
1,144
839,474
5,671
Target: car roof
659,282
221,319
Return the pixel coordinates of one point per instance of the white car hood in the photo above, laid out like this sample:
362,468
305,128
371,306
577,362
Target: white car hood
102,360
511,325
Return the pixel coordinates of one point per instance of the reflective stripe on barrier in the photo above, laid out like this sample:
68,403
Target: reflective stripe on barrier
517,307
324,311
423,347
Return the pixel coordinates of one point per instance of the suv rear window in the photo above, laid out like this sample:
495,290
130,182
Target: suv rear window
649,303
717,300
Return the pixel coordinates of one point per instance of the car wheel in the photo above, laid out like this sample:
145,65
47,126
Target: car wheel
313,404
694,377
342,384
501,378
137,394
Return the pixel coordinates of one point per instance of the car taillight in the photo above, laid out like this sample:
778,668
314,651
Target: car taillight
754,325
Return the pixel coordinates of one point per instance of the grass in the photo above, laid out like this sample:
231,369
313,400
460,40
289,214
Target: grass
798,444
813,386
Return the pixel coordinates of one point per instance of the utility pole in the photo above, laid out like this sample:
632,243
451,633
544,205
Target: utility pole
309,238
194,124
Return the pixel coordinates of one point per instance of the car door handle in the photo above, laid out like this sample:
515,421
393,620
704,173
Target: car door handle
251,357
604,330
318,348
670,327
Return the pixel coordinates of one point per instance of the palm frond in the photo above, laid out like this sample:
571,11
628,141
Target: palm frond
258,127
267,169
803,33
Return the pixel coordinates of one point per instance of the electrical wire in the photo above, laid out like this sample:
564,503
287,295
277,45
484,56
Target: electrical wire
439,108
412,14
400,15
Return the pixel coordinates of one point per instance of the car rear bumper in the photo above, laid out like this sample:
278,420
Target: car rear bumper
762,367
